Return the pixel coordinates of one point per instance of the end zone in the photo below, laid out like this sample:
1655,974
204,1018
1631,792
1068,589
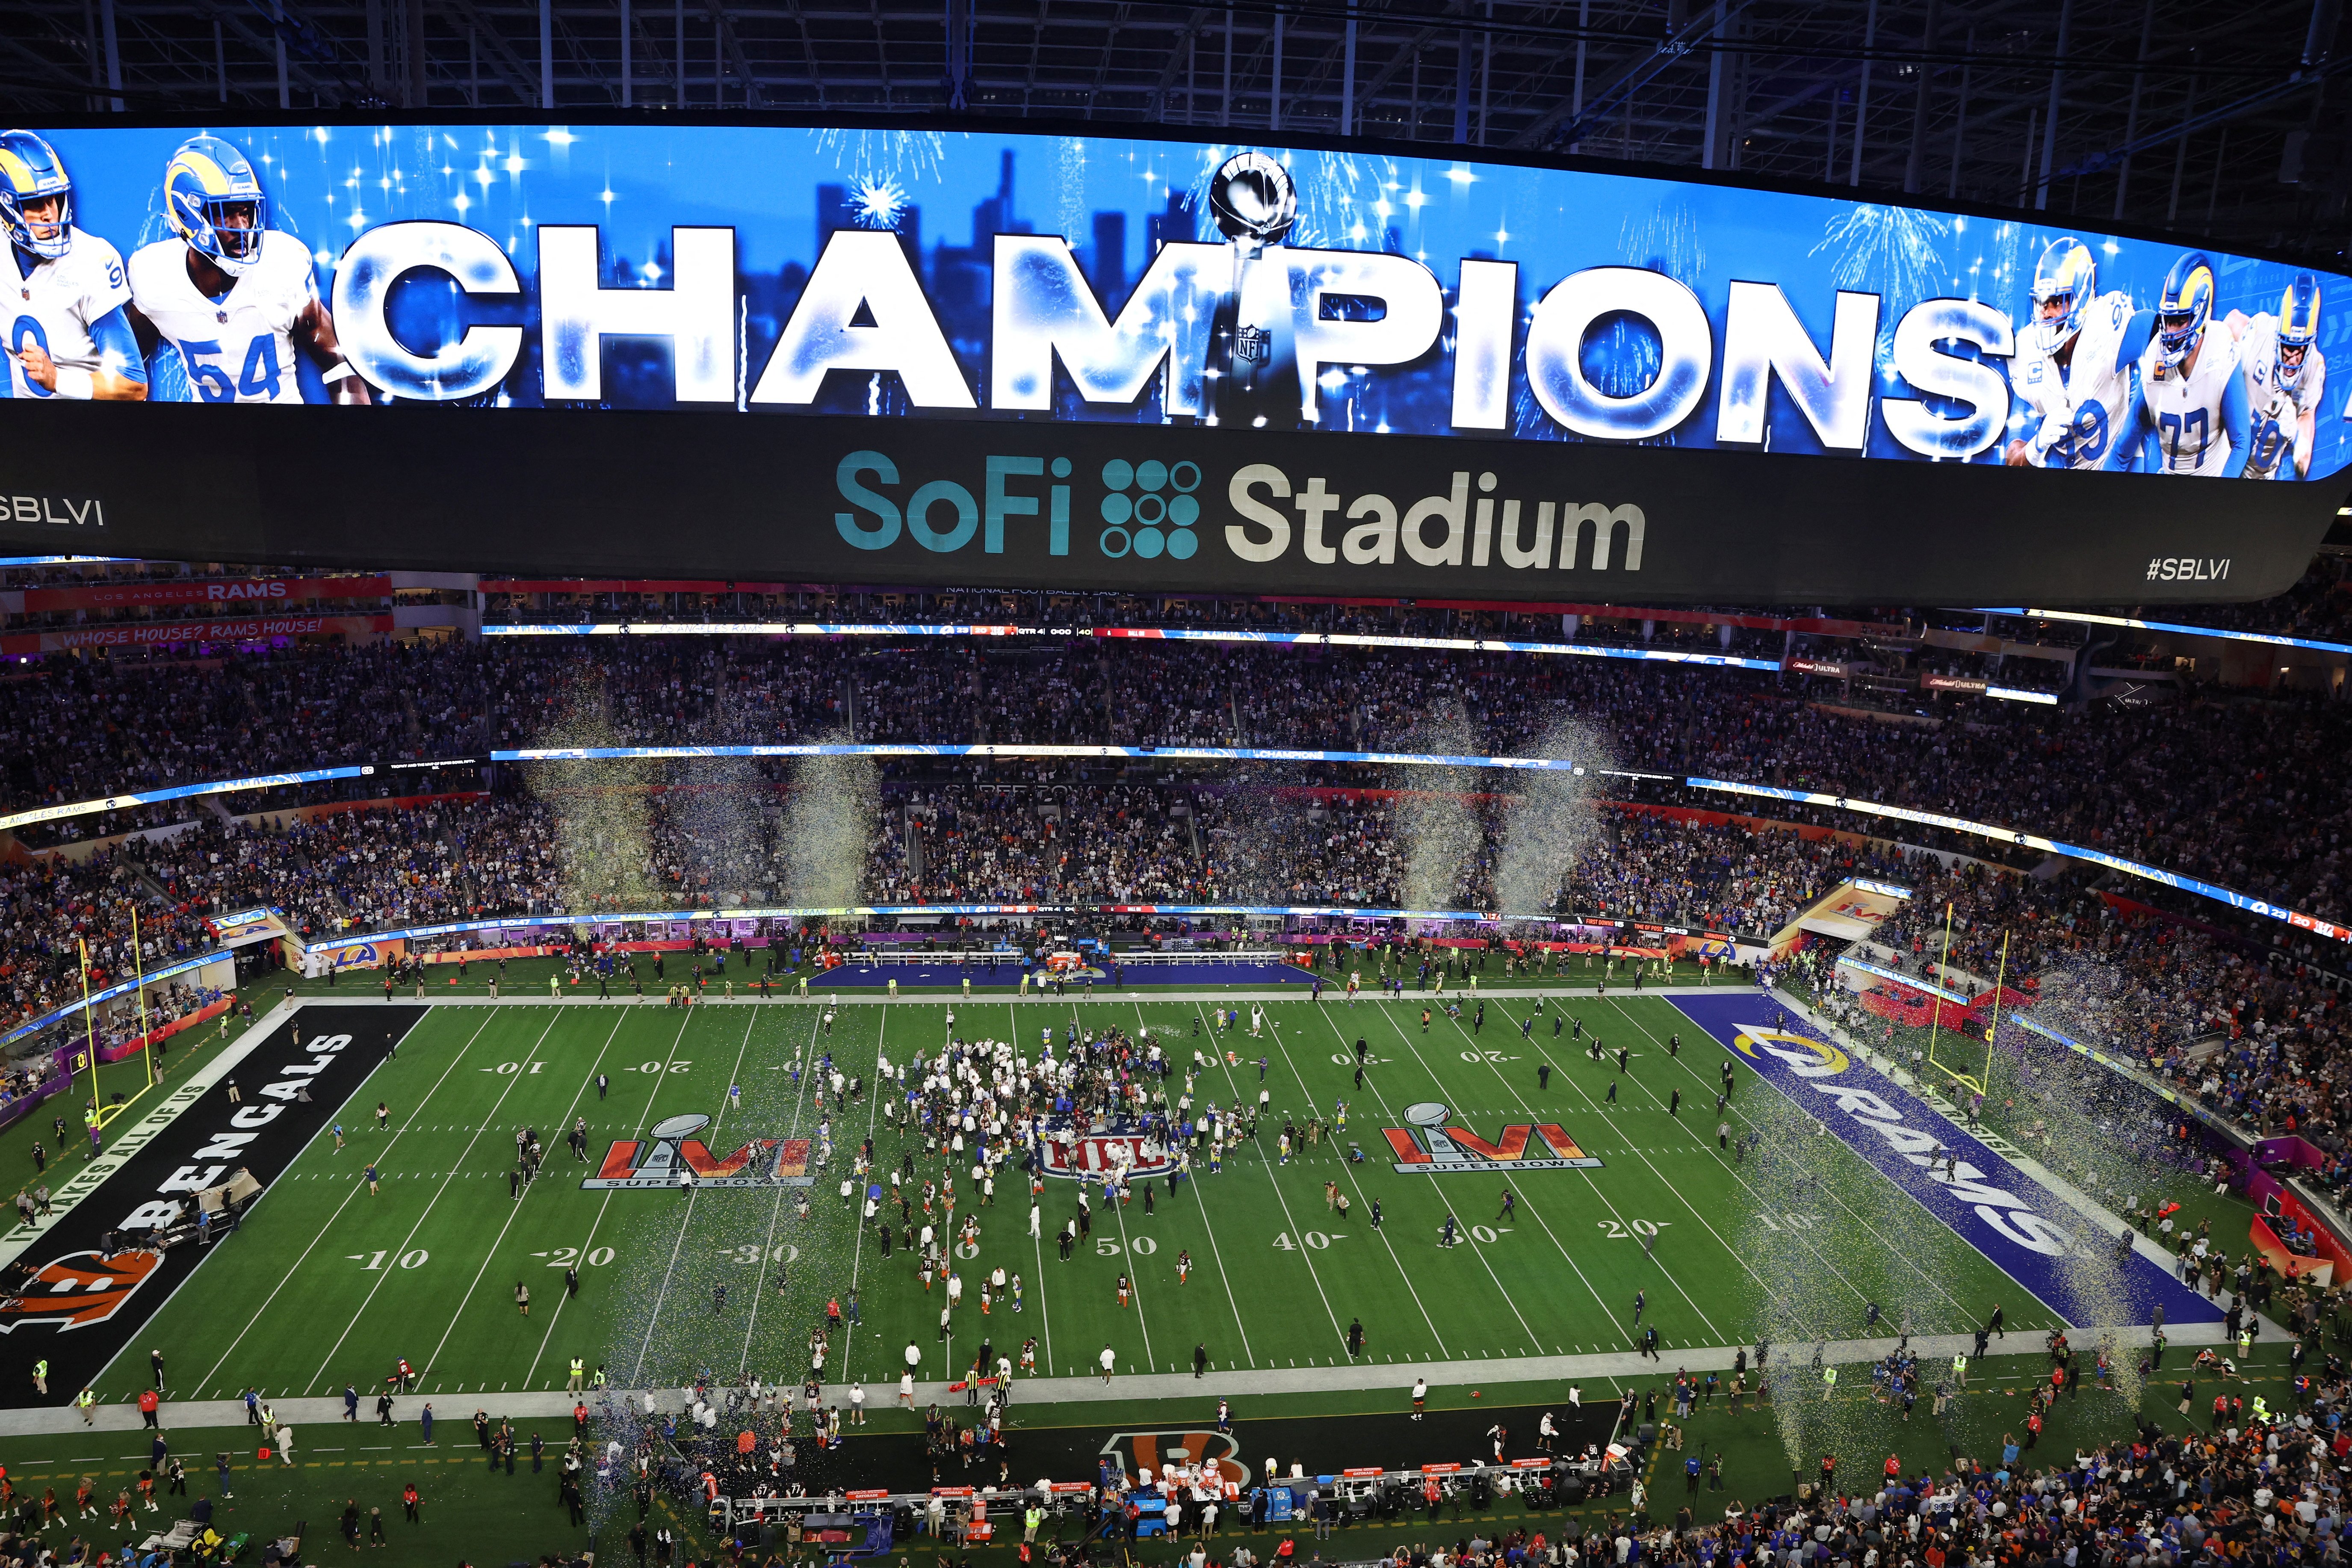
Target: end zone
330,1049
1983,1198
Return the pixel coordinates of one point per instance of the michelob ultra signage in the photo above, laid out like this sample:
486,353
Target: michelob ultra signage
1179,311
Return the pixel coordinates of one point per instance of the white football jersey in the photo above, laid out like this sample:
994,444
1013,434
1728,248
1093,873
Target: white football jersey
54,306
2186,411
2277,410
240,347
2079,405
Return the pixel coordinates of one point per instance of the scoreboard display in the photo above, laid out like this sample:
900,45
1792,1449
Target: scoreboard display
919,355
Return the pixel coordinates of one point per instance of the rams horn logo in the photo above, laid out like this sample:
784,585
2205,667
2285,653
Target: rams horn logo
77,1289
673,1148
1804,1055
1433,1147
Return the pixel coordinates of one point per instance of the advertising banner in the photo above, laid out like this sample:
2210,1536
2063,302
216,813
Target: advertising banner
259,593
160,634
1141,364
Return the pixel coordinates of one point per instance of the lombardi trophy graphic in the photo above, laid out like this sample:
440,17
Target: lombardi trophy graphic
1255,372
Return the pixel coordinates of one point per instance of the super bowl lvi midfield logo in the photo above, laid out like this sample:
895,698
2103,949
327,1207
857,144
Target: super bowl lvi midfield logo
1433,1146
673,1150
75,1290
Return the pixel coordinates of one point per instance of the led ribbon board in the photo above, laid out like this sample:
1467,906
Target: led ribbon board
2182,880
1087,361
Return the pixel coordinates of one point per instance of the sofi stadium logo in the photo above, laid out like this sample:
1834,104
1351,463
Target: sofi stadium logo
674,1157
1432,1144
1151,508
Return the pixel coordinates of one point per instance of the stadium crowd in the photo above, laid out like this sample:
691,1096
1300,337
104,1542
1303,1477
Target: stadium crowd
2243,792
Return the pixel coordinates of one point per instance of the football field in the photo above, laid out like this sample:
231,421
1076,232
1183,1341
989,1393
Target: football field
327,1285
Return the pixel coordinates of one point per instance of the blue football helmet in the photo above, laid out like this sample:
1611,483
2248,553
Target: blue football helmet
2298,326
2185,309
2068,277
215,202
29,170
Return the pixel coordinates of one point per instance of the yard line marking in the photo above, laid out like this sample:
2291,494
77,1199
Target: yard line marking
1287,1218
1859,1294
1133,1273
552,1318
1403,1273
1201,1197
684,1224
1607,1312
686,1221
800,1099
517,1078
856,1204
332,1218
1045,1320
1645,1160
1934,1283
1497,1069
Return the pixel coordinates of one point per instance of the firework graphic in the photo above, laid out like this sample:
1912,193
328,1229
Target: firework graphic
1890,250
885,155
876,204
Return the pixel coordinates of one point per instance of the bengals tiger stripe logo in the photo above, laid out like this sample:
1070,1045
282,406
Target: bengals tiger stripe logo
77,1289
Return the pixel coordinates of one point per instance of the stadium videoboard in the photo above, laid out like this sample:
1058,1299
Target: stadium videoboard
926,356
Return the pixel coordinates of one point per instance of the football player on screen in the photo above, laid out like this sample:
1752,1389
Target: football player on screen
2285,376
234,295
67,335
2074,365
2191,414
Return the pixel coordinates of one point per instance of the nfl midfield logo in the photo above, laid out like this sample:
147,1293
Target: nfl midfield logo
659,1160
1431,1147
1092,1158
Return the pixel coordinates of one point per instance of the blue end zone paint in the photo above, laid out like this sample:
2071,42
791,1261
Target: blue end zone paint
948,977
1994,1206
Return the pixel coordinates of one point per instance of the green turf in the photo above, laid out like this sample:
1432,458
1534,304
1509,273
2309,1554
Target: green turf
326,1284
